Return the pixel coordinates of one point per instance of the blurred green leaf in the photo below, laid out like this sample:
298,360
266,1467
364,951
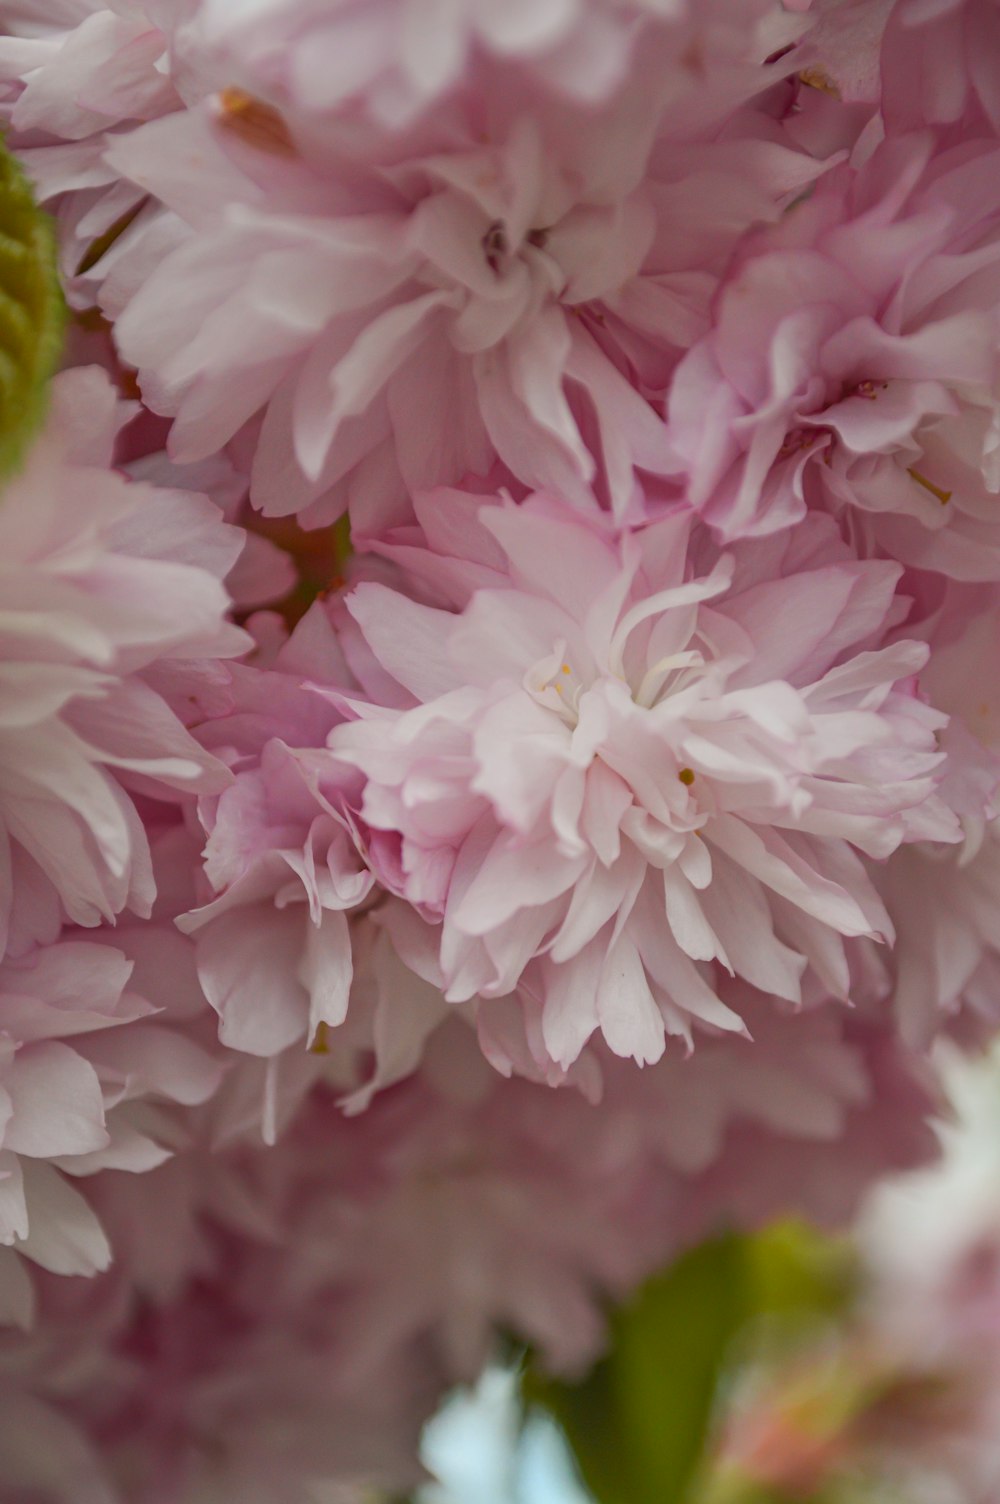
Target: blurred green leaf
795,1268
637,1424
31,312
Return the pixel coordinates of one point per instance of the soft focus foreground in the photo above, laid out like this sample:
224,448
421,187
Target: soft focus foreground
848,1371
499,738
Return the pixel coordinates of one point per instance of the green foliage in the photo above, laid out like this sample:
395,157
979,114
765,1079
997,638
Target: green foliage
796,1271
638,1424
31,312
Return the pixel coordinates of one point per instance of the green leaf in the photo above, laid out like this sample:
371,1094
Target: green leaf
638,1423
31,312
796,1270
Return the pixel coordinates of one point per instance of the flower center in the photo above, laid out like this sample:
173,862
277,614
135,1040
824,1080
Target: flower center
668,676
497,248
552,683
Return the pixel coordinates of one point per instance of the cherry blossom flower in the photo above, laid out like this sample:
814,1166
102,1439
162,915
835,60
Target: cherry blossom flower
853,363
86,1072
936,64
638,709
401,56
110,592
517,263
73,73
617,766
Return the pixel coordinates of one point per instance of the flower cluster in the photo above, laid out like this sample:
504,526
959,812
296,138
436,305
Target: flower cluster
499,737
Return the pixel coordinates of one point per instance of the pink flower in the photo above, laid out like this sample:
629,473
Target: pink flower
841,52
886,1130
800,1086
75,68
280,905
52,1103
499,1209
651,347
628,757
274,948
241,1348
231,1387
943,901
73,73
853,363
82,1063
263,573
520,1205
260,1333
281,861
516,262
107,592
401,56
937,65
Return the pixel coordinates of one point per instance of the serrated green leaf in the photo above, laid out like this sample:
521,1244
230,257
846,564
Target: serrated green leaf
31,312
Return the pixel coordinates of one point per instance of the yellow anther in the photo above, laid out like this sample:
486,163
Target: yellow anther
321,1043
816,78
943,496
566,668
686,775
255,123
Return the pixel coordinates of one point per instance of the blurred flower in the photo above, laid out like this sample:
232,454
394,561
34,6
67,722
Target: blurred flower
110,594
